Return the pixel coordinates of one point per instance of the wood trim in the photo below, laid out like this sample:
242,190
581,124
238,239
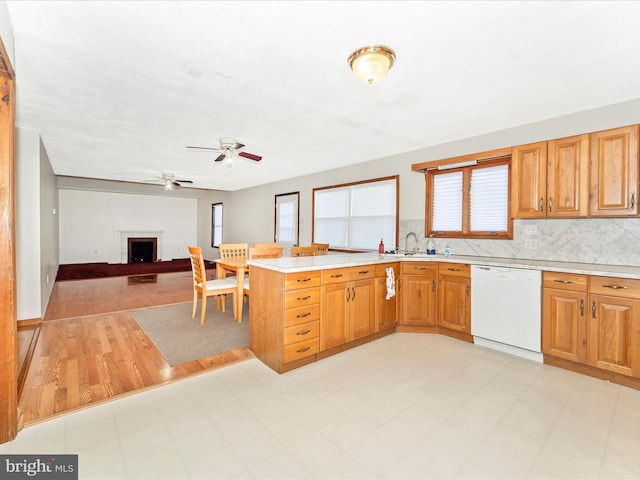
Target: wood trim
593,371
22,376
29,323
480,157
8,320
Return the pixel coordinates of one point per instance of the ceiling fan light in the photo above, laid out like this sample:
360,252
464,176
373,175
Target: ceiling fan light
371,64
168,186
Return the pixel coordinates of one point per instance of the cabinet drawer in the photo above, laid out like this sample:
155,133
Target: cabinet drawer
565,281
381,269
299,350
301,298
302,280
365,271
296,316
419,268
335,275
302,332
615,287
455,269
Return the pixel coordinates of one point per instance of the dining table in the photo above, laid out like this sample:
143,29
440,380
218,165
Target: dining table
240,267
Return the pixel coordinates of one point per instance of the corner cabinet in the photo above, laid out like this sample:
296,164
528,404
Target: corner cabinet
386,310
614,172
419,286
454,300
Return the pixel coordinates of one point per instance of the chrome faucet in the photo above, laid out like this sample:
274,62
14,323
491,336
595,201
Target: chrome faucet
406,240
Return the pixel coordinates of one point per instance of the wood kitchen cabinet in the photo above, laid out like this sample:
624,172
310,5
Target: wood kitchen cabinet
564,316
613,341
386,311
419,287
347,305
454,298
551,179
614,172
592,321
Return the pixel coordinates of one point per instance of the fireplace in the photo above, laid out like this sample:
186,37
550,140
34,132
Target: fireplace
142,249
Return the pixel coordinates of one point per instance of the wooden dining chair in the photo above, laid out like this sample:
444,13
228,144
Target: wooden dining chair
263,245
309,251
322,248
208,288
265,252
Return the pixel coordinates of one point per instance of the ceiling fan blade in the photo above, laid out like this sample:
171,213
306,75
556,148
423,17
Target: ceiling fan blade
205,148
184,181
220,157
175,184
250,156
236,146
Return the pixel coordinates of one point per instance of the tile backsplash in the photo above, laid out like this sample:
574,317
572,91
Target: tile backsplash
607,241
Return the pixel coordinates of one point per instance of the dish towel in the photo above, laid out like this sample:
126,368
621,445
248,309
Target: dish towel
391,283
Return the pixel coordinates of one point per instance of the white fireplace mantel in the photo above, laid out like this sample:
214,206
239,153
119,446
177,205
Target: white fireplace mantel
125,235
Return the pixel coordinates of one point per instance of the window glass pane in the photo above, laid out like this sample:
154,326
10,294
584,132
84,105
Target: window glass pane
447,202
356,216
489,199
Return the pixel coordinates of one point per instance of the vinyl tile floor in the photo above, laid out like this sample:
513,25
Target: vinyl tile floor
407,406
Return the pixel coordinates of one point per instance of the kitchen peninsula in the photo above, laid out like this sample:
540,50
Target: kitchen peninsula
305,309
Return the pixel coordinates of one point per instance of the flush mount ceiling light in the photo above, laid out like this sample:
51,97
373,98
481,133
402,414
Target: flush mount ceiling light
372,63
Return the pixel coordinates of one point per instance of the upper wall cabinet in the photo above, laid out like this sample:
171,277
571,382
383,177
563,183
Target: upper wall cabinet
614,172
551,179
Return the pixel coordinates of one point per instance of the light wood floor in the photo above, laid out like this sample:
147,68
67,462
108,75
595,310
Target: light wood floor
90,350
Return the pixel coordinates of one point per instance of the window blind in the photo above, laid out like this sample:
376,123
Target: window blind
489,199
356,216
447,202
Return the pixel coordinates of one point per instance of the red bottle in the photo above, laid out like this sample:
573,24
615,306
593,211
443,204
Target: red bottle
381,247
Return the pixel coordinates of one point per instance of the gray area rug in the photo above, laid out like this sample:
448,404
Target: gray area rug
181,338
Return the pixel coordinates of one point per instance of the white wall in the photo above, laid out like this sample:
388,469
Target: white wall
49,228
28,224
6,32
91,222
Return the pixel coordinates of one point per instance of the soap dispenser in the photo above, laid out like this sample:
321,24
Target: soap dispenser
431,246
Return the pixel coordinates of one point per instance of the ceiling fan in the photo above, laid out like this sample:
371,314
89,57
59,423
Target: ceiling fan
170,182
229,147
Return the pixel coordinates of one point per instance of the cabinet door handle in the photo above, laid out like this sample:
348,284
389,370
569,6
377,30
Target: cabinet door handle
615,287
303,280
453,269
433,285
550,204
363,272
336,275
304,298
353,293
304,332
468,290
348,294
541,204
633,200
419,268
581,307
564,281
593,310
300,350
302,315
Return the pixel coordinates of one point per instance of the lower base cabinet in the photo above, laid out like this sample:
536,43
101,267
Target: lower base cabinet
454,297
593,321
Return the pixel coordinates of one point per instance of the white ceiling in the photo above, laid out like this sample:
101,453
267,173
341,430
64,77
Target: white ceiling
119,89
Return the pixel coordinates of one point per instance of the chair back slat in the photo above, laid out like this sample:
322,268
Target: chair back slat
197,266
233,250
265,252
322,248
309,251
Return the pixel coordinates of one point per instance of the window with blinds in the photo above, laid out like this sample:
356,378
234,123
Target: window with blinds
471,201
356,216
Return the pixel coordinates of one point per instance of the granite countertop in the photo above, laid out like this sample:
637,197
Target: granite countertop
337,260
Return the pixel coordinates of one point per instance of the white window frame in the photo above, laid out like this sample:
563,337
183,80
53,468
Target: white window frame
348,222
289,220
216,224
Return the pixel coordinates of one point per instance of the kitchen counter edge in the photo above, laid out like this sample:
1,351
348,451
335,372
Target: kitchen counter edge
302,264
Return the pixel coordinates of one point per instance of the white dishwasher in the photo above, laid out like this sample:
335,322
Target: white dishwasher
506,310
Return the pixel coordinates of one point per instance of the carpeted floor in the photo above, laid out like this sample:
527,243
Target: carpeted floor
181,338
81,271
